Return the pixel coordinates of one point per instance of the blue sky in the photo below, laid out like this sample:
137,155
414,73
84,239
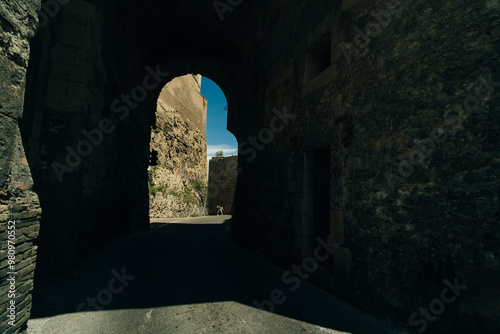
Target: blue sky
218,138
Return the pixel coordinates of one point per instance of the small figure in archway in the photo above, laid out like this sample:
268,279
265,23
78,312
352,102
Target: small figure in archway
220,210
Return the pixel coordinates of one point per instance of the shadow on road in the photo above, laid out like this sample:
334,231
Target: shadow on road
190,263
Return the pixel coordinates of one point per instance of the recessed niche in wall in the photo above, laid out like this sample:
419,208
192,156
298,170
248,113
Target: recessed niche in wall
318,56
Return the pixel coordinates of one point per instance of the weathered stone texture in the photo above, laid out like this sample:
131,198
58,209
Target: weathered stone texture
18,203
376,107
177,181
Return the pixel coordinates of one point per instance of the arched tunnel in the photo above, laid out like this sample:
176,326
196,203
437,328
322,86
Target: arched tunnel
367,127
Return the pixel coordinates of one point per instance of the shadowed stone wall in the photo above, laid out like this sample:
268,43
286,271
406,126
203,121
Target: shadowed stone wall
402,98
79,112
71,121
222,176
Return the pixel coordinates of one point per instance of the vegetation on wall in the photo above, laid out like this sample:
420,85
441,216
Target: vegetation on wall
195,195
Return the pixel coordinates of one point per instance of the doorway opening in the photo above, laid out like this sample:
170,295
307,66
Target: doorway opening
182,142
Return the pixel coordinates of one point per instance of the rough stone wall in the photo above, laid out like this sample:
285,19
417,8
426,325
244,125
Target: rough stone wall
64,97
19,206
75,134
222,176
381,107
177,181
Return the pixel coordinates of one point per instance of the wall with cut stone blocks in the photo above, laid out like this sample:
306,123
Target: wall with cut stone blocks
18,202
222,175
405,217
69,68
72,83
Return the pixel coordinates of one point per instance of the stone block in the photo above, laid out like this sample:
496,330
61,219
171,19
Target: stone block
84,57
80,8
56,86
354,8
25,287
8,129
302,223
70,72
302,247
337,226
78,32
30,214
303,202
28,271
63,54
23,247
63,102
78,90
304,181
28,233
342,258
12,88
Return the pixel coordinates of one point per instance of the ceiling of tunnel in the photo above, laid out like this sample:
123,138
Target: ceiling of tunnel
194,27
188,36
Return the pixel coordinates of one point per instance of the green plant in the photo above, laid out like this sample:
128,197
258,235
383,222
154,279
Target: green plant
187,196
173,193
219,154
152,173
199,185
154,190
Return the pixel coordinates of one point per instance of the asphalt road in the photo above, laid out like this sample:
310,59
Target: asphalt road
188,276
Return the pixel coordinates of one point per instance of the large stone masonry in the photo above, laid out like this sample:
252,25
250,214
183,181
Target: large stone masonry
402,98
19,206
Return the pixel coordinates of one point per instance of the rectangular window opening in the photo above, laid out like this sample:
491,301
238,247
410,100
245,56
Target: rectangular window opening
319,56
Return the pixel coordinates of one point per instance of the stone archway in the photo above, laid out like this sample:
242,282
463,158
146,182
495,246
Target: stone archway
373,95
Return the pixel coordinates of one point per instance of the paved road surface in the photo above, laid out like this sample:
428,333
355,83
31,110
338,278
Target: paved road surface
187,276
